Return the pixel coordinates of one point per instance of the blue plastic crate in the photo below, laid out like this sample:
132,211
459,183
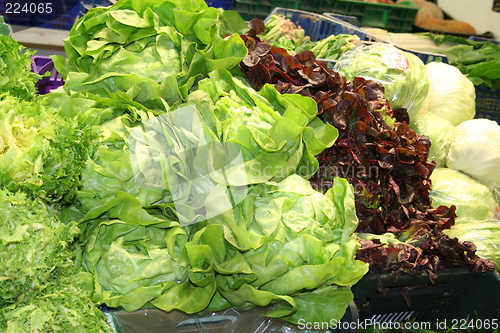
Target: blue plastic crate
482,39
427,57
318,26
62,17
224,4
21,18
487,103
89,4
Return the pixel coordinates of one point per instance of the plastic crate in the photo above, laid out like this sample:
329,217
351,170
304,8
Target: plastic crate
42,65
21,18
249,9
292,4
456,294
318,26
427,57
89,4
64,15
224,4
487,103
394,18
349,19
316,6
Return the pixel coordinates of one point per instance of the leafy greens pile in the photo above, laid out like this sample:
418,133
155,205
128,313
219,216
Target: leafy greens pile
237,258
378,153
42,150
478,60
196,196
280,241
283,33
146,52
39,283
16,77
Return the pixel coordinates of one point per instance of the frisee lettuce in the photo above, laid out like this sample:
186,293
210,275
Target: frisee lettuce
42,151
16,76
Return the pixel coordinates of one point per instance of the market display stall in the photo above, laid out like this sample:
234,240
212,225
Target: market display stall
182,170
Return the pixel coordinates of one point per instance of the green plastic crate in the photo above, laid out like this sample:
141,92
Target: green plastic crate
394,18
292,4
316,6
249,9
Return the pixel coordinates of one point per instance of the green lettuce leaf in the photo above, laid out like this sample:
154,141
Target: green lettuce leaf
42,150
37,244
149,52
282,239
16,76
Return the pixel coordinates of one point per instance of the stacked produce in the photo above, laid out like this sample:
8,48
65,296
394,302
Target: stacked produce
479,61
185,167
465,151
282,32
196,196
42,152
376,152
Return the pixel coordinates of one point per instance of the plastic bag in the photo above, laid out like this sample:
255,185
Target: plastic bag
402,74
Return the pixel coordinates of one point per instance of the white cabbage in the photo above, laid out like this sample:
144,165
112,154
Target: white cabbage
439,131
475,150
471,198
452,95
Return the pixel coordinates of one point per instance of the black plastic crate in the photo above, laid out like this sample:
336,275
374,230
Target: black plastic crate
455,294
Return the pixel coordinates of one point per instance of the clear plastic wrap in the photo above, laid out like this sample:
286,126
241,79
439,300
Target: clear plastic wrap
475,150
402,74
472,199
485,234
227,321
439,131
452,95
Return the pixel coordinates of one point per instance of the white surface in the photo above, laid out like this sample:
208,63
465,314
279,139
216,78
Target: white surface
45,41
478,13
